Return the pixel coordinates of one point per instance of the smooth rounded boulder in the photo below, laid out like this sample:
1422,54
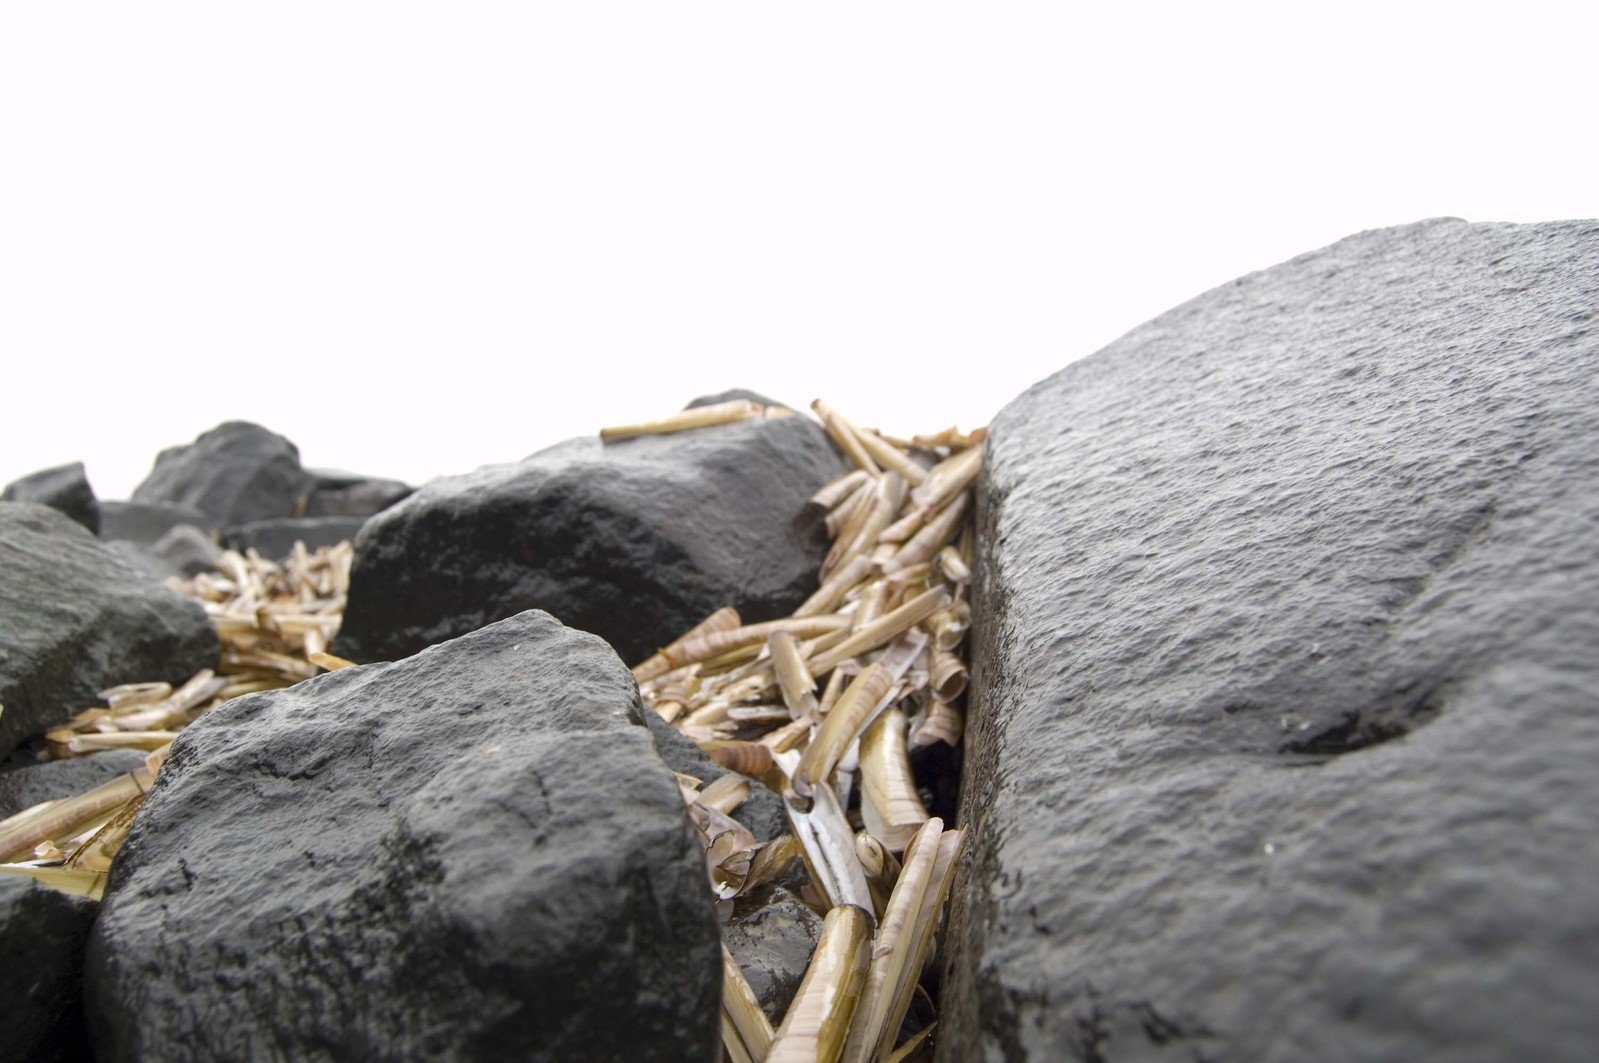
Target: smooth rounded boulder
472,854
635,540
1285,741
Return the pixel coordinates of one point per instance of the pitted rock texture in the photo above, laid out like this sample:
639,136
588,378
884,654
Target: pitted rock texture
236,473
64,487
76,618
474,853
1286,732
635,540
42,932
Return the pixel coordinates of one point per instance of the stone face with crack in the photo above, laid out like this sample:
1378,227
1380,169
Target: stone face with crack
474,853
1287,651
76,618
635,540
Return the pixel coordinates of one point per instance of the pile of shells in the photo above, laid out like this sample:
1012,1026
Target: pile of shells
274,621
825,705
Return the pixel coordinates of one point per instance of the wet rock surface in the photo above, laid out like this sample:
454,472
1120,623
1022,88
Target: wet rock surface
25,785
635,540
235,473
42,935
471,854
1287,644
75,618
64,487
771,935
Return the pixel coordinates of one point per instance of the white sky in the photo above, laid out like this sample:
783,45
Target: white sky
419,238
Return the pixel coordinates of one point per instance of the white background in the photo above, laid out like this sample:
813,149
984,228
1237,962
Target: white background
418,238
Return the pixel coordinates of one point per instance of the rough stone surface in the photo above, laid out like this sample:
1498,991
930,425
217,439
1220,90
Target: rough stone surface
342,494
772,935
762,812
76,618
474,853
146,522
236,473
27,785
634,540
42,933
1287,652
64,487
276,538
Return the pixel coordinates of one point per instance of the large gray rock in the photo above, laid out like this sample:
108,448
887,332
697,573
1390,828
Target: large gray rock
42,934
236,473
76,618
27,785
146,523
275,539
64,487
634,540
471,854
1285,742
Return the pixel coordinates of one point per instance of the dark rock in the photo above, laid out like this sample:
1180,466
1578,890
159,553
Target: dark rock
276,538
1287,644
146,522
772,934
471,854
65,487
186,551
634,540
762,812
42,934
734,395
75,618
236,473
31,784
341,494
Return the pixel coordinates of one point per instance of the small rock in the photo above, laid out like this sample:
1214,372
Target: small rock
75,618
31,784
762,812
772,934
42,935
65,487
338,494
275,539
735,395
635,540
474,853
146,522
186,551
236,473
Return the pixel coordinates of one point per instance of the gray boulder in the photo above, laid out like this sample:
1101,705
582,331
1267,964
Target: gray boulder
635,540
186,551
471,854
146,523
1287,644
276,538
76,618
42,935
64,487
30,784
236,473
341,494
